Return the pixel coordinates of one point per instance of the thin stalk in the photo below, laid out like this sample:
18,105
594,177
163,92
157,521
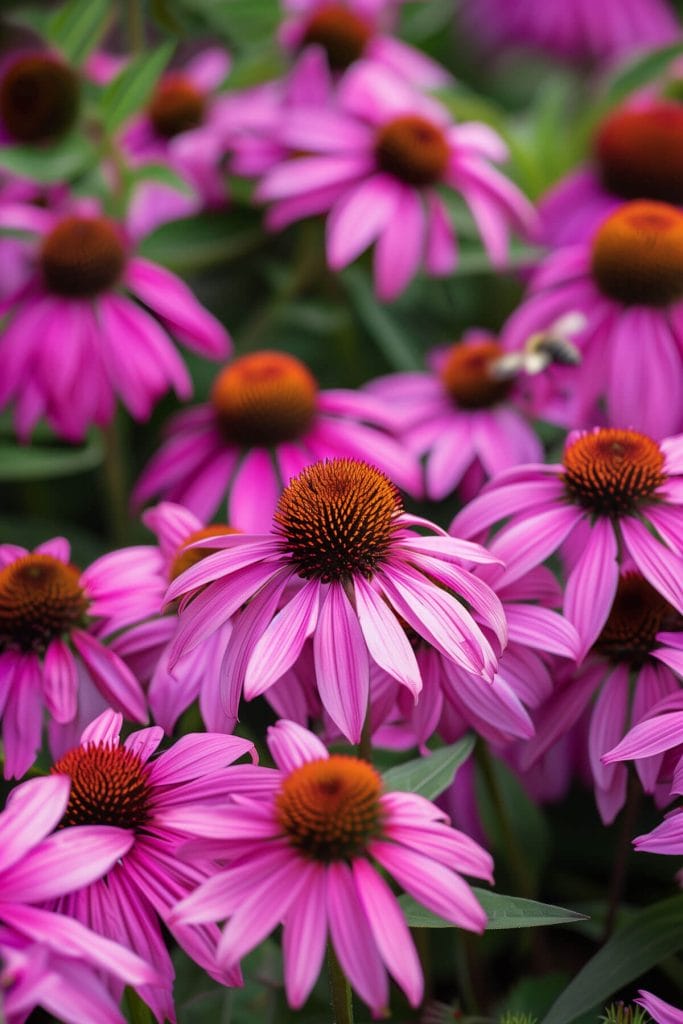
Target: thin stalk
340,990
620,865
135,25
115,483
513,851
365,745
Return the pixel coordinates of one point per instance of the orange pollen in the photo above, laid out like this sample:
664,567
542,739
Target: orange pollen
39,98
341,33
82,256
337,519
176,106
413,149
637,254
109,786
638,614
186,556
466,375
40,599
611,472
264,399
330,808
640,153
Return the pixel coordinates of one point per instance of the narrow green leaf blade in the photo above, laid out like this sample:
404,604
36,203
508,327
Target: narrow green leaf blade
62,161
430,775
77,27
656,932
641,72
389,337
504,912
131,89
37,462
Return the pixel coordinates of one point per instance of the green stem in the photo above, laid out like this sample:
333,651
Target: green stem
620,865
340,990
513,852
115,484
365,745
135,26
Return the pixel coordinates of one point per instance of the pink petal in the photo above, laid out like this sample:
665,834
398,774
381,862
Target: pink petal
357,218
280,644
341,663
33,810
660,566
303,939
113,678
592,584
291,745
60,681
387,642
399,248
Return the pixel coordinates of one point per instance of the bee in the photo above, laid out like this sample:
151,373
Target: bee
542,349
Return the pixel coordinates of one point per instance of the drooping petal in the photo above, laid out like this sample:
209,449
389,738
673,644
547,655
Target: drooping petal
341,663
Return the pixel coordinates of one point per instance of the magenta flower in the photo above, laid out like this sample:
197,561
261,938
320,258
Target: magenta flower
50,653
636,155
345,566
617,493
265,421
635,662
82,316
46,958
661,1012
376,164
305,853
459,416
145,646
39,97
125,786
627,280
348,30
574,30
453,700
182,126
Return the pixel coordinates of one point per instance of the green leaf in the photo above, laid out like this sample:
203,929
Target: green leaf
131,89
430,775
76,27
640,73
193,243
161,173
654,934
60,161
32,462
399,350
504,912
137,1011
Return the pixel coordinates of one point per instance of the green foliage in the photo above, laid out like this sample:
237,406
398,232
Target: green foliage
624,1013
76,28
655,933
504,912
133,86
430,775
60,161
47,462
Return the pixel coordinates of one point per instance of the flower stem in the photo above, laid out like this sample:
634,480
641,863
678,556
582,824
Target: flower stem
513,851
620,865
365,745
340,990
135,26
115,483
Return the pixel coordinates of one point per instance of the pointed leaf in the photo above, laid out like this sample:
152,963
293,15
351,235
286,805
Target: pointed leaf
429,776
131,89
504,912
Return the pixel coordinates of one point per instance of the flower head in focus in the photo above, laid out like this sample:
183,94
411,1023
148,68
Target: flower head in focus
306,852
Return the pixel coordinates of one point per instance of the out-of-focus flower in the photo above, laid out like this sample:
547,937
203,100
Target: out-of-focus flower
125,786
50,654
351,30
265,421
183,127
39,97
306,853
637,154
616,494
460,416
81,329
636,661
627,280
663,1013
346,566
47,959
575,29
375,163
146,645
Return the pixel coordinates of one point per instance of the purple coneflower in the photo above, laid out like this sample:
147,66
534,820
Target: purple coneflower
39,97
460,416
125,786
50,653
306,853
627,280
617,493
265,421
92,320
47,958
376,162
660,1011
344,565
